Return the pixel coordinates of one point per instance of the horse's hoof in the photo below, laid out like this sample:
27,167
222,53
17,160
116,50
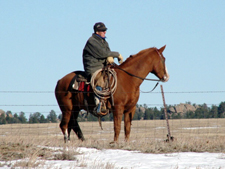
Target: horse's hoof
113,144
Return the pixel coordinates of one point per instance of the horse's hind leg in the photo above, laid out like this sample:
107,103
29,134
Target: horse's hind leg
78,131
73,124
69,130
64,124
66,108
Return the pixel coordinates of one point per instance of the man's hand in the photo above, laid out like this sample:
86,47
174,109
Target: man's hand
120,59
110,59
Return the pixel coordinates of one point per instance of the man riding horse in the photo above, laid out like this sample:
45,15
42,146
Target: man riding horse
96,53
73,93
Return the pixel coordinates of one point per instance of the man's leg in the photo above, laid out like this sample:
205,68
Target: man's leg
97,100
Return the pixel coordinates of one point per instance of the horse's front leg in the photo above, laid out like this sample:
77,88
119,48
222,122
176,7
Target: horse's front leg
117,115
128,116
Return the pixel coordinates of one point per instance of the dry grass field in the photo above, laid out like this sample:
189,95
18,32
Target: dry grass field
31,141
199,132
19,141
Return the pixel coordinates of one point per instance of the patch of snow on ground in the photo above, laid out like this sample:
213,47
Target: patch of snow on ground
90,158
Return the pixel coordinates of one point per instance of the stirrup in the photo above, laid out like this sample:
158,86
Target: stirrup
99,114
103,107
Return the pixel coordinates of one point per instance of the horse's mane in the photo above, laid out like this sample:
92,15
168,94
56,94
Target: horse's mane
141,53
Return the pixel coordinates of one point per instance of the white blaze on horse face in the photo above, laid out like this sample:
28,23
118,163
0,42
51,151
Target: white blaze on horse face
166,76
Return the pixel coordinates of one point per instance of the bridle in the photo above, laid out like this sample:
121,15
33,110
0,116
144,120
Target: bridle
157,80
116,66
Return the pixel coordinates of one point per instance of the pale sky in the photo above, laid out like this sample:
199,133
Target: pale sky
41,41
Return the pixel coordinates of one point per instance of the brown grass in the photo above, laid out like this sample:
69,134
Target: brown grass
31,141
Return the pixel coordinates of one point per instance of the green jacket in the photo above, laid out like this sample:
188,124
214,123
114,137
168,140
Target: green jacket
95,54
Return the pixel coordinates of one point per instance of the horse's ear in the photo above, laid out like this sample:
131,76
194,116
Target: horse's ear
162,49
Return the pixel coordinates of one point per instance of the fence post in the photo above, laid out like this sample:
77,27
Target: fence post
166,116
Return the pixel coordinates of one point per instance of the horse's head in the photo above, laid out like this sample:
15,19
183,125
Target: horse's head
160,69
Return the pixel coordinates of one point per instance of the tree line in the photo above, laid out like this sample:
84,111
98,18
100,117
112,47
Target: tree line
201,112
10,118
143,112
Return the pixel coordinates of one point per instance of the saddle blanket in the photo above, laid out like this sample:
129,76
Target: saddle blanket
82,87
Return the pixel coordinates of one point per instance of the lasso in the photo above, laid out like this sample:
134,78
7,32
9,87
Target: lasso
106,92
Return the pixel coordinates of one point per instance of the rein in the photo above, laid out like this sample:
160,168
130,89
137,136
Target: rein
116,66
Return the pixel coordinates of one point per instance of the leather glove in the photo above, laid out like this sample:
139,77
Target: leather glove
110,59
120,59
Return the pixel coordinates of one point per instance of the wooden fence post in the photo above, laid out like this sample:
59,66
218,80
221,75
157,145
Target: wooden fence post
169,137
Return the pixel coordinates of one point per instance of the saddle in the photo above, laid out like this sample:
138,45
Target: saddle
80,84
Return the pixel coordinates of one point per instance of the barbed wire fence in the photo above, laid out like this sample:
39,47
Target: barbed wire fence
141,129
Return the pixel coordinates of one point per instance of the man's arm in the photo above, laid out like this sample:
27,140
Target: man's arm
100,52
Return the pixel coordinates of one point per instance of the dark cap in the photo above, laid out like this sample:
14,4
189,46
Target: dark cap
99,26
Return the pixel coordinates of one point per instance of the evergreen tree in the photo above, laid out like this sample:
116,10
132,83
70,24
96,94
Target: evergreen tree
22,117
213,112
189,115
138,115
135,116
157,114
162,116
16,118
35,118
202,111
43,119
148,114
52,117
9,117
60,116
221,110
3,119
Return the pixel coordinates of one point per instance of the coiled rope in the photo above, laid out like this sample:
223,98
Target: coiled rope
106,92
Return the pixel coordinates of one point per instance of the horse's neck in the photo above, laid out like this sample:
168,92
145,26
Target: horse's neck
139,65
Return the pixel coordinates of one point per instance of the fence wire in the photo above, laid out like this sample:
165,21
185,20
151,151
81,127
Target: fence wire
141,129
171,92
144,130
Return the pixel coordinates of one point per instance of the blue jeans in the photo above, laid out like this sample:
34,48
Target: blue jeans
99,88
99,105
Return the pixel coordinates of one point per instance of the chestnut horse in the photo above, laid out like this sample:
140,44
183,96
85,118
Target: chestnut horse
130,75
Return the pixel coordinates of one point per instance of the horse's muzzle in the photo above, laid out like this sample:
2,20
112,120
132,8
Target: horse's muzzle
165,78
